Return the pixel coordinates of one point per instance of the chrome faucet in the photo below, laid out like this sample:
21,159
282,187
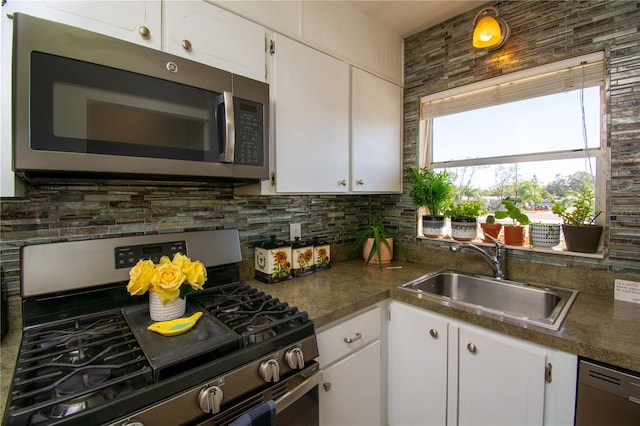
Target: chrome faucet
497,261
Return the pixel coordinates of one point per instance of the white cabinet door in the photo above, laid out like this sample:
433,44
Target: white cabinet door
501,381
376,134
137,21
350,392
311,107
208,34
417,367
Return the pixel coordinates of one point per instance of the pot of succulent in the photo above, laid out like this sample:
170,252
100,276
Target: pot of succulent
544,234
464,220
433,190
490,227
375,240
581,233
514,234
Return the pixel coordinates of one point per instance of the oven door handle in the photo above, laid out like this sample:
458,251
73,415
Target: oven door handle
293,395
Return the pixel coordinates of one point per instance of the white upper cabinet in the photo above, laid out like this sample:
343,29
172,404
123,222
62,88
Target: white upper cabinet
208,34
376,134
136,21
311,107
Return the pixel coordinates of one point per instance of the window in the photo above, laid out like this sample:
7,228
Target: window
533,134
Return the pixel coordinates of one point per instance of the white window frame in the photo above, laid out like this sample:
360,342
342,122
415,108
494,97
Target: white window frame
569,74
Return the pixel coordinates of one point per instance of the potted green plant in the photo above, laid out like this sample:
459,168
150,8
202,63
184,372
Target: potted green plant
375,240
514,234
464,219
544,234
581,234
490,227
433,190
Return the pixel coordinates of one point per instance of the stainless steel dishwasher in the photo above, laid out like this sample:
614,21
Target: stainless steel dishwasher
607,396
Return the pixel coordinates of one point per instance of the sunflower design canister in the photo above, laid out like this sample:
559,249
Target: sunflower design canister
273,261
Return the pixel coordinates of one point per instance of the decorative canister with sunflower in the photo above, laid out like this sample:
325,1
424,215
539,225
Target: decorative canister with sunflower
273,261
302,255
321,254
167,282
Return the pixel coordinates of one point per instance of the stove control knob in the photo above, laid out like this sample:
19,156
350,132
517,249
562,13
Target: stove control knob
132,422
294,358
210,398
270,370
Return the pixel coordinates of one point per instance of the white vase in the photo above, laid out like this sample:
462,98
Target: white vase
168,311
544,234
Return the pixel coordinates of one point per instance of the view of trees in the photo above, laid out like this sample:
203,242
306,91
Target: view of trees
532,193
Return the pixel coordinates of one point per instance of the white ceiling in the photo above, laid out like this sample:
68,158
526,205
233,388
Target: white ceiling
409,17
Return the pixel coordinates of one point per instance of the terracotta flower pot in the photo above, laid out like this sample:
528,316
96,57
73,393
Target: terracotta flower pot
514,235
582,239
385,254
492,229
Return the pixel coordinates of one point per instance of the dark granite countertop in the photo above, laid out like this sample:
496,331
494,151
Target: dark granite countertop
596,327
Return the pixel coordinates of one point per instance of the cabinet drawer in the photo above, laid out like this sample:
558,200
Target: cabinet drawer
361,330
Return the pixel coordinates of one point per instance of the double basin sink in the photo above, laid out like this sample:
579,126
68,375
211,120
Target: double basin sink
514,302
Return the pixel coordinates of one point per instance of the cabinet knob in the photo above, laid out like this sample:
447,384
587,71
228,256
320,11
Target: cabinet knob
472,348
360,182
144,31
327,386
186,44
434,333
343,182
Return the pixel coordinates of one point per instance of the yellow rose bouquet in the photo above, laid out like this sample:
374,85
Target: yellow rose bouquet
170,279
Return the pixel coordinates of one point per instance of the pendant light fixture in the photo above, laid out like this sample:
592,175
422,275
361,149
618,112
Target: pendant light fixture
489,31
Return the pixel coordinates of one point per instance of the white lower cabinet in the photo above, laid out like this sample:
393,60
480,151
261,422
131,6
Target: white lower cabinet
351,359
443,371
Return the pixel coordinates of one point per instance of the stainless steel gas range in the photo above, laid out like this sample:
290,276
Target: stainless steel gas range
87,357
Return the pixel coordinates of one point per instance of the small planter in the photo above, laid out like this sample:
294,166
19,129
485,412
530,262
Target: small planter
492,229
433,226
582,239
544,234
514,235
385,254
464,229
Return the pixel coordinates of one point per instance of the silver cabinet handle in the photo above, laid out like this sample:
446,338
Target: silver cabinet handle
360,181
186,44
434,333
326,386
351,340
342,182
472,348
144,32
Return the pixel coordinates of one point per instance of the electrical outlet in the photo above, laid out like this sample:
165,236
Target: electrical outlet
295,230
627,291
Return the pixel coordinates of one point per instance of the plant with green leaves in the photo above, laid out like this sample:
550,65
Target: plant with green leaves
577,209
377,231
464,210
431,189
513,212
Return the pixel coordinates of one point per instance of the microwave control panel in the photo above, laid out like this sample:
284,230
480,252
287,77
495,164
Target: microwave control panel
249,150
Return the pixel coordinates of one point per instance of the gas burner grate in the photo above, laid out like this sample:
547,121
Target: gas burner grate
70,366
254,315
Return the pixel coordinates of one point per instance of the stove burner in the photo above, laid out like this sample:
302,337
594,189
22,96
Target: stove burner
85,402
258,322
82,380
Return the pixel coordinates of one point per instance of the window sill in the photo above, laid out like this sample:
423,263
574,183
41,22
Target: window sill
558,250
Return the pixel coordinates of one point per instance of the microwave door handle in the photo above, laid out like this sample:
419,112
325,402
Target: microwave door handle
229,128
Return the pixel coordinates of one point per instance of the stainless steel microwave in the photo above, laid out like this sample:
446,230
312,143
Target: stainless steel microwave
85,104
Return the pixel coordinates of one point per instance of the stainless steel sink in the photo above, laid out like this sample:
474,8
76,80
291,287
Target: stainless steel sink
515,302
